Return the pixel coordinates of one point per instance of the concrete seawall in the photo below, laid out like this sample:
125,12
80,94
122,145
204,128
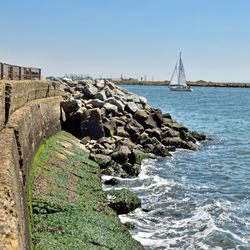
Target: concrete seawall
29,114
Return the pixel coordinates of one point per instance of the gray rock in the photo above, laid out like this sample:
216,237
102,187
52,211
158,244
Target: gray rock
90,90
70,106
91,124
133,98
131,107
115,102
143,100
108,92
109,84
101,96
79,96
100,84
97,103
110,108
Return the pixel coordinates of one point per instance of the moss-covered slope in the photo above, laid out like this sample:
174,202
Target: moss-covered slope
69,208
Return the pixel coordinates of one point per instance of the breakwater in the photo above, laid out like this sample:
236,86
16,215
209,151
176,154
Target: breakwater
117,128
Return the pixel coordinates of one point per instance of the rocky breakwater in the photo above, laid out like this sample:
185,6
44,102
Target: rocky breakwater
119,128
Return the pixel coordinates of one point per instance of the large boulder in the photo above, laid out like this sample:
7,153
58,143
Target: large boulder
123,201
121,154
115,102
110,108
102,160
70,106
154,132
90,90
96,103
145,119
100,95
91,124
132,169
100,84
120,131
157,116
131,107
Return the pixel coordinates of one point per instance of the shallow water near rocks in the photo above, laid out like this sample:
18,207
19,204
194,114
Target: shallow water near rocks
197,200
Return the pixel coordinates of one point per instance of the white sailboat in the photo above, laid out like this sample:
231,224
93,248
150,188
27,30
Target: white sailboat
178,80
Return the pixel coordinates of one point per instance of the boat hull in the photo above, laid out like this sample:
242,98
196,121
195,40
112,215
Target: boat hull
180,88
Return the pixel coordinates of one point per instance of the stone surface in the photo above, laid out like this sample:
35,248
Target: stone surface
91,124
18,93
131,107
101,96
18,145
90,90
115,102
2,105
110,108
70,106
96,103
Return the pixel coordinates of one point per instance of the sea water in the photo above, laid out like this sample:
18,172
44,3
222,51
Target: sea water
197,200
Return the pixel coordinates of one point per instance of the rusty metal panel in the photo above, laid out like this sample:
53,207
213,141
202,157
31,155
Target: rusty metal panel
14,72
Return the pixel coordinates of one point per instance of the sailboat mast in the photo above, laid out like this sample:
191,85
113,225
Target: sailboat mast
179,69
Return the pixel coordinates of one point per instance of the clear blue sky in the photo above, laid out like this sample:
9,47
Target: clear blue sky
129,37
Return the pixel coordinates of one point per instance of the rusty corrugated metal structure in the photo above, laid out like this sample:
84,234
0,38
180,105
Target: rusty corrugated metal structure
14,72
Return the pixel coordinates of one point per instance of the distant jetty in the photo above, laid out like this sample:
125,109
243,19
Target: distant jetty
200,83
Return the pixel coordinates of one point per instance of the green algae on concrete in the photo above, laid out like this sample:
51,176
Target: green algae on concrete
69,208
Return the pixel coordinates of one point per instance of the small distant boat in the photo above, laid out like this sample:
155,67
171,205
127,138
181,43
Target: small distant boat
178,80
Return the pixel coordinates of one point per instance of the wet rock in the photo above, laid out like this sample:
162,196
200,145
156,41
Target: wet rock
102,160
161,150
167,116
129,225
132,169
126,142
123,201
137,156
133,127
154,132
120,156
171,133
198,136
145,119
112,182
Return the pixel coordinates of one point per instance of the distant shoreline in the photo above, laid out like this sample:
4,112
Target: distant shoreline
190,83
